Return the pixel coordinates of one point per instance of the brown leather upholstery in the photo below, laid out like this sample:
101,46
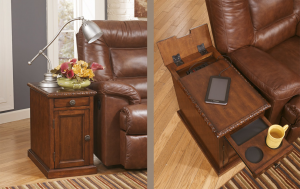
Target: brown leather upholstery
291,116
262,38
133,119
120,120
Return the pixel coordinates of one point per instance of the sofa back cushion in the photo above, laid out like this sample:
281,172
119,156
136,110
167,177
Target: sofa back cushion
129,62
260,23
273,22
231,24
265,12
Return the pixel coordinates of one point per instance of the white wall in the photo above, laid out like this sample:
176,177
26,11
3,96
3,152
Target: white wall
121,10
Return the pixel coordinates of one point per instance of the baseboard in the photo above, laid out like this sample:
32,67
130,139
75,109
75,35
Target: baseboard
14,115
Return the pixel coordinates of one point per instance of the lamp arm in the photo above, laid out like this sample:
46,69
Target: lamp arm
42,51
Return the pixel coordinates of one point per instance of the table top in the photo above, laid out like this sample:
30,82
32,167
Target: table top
59,92
244,102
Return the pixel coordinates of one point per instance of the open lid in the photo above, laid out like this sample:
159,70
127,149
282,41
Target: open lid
185,45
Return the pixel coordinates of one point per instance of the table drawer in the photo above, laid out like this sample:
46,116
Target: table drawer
254,135
71,102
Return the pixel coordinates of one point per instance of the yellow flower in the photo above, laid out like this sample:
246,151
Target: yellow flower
83,64
57,67
78,70
88,73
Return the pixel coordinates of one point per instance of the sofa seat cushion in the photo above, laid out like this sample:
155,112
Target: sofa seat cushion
133,119
288,53
272,78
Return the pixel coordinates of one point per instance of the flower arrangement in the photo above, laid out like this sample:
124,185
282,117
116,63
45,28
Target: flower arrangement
79,70
75,71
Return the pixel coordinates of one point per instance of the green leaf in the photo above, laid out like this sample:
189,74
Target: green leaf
89,65
78,79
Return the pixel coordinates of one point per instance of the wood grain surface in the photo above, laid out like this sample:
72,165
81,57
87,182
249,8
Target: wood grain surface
178,161
15,167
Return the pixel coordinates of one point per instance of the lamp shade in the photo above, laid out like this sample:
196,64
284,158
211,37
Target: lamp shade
91,31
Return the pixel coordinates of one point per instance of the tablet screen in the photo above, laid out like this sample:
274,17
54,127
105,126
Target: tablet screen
218,89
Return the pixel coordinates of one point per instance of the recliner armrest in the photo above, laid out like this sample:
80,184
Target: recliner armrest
117,88
133,119
272,78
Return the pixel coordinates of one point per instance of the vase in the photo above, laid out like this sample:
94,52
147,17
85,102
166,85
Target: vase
72,83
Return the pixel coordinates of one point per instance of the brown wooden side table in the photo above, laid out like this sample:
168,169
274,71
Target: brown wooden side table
61,129
217,128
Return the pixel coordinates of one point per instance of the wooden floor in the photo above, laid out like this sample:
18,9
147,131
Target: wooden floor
15,167
178,161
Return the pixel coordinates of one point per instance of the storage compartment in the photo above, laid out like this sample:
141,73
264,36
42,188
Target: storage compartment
254,140
223,132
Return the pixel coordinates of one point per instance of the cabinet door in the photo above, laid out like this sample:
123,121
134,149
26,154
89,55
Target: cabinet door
71,148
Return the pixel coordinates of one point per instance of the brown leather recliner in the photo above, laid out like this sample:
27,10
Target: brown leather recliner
262,37
120,117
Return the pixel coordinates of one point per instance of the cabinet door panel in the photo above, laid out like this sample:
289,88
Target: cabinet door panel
70,147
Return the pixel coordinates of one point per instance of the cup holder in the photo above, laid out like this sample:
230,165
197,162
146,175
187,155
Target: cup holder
254,154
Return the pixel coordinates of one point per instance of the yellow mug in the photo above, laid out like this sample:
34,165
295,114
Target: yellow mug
275,135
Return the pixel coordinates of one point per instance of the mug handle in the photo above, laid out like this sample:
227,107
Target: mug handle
285,127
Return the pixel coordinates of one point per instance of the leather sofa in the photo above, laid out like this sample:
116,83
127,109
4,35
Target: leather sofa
262,37
120,110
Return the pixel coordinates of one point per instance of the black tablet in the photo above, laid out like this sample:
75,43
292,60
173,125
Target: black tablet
218,90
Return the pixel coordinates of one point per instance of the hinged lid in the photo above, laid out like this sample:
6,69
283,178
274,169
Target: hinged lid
186,45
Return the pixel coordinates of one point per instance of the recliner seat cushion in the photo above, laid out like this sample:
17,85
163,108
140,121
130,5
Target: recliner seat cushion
288,53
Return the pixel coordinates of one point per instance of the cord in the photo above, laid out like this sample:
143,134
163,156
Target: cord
196,64
229,63
225,56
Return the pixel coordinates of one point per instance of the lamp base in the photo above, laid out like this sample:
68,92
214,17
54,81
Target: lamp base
49,81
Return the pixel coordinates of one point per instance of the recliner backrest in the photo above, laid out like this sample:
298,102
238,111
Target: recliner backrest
122,50
260,23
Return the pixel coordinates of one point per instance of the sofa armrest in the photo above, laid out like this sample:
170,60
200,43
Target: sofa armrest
298,29
291,111
133,119
117,88
273,79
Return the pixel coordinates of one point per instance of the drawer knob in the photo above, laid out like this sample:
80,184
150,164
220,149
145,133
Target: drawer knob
72,102
87,137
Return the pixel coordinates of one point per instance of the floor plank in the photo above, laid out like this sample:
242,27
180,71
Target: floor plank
179,163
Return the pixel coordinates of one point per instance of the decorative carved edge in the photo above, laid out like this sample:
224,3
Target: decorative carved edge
234,125
90,92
